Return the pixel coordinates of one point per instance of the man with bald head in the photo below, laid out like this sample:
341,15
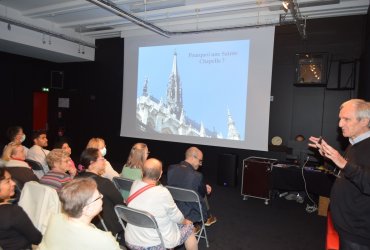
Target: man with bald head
149,196
185,175
350,194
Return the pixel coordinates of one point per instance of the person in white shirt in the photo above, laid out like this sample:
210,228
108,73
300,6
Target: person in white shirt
157,200
72,230
38,152
99,143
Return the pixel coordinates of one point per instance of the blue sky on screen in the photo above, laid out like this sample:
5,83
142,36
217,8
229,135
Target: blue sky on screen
214,77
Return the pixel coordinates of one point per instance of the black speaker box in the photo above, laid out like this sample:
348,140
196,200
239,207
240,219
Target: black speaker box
227,170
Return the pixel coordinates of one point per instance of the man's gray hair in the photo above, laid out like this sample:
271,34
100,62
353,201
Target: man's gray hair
362,108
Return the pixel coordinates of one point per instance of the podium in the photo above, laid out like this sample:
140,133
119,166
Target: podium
256,178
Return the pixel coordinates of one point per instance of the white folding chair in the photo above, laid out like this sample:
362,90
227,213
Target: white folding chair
137,218
187,195
39,202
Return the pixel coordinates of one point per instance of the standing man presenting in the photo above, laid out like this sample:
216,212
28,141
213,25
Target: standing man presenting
185,175
350,195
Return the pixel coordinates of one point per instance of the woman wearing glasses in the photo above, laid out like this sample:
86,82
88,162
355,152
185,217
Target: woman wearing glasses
94,163
81,202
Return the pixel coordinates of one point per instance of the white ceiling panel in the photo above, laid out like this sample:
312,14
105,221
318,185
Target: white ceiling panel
85,20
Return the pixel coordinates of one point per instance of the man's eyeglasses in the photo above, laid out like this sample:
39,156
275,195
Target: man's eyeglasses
98,198
200,160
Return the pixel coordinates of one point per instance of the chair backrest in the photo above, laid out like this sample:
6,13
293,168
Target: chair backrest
39,202
188,195
122,183
35,165
182,194
137,218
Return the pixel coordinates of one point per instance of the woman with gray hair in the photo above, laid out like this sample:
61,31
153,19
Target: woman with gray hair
58,162
81,202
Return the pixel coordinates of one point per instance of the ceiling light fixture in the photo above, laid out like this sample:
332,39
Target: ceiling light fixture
292,6
286,5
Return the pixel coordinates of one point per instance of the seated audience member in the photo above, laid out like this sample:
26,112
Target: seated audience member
38,152
157,200
15,134
94,163
185,175
135,162
99,143
62,143
14,157
72,230
58,161
16,228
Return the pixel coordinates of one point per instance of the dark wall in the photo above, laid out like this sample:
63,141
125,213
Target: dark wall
314,110
95,93
364,90
20,77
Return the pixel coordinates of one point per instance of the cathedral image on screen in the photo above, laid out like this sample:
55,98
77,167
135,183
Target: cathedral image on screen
169,117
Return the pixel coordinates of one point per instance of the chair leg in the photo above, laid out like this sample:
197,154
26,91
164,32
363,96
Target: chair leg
102,222
200,234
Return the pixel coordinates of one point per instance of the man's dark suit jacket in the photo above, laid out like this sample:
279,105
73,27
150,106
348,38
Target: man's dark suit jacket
183,175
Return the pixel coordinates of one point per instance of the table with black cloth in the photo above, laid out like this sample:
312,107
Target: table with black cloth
262,177
289,178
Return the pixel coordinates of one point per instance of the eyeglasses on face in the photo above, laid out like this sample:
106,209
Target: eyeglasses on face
200,160
98,198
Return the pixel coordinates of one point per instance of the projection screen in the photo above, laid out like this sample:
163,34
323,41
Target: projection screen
209,89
